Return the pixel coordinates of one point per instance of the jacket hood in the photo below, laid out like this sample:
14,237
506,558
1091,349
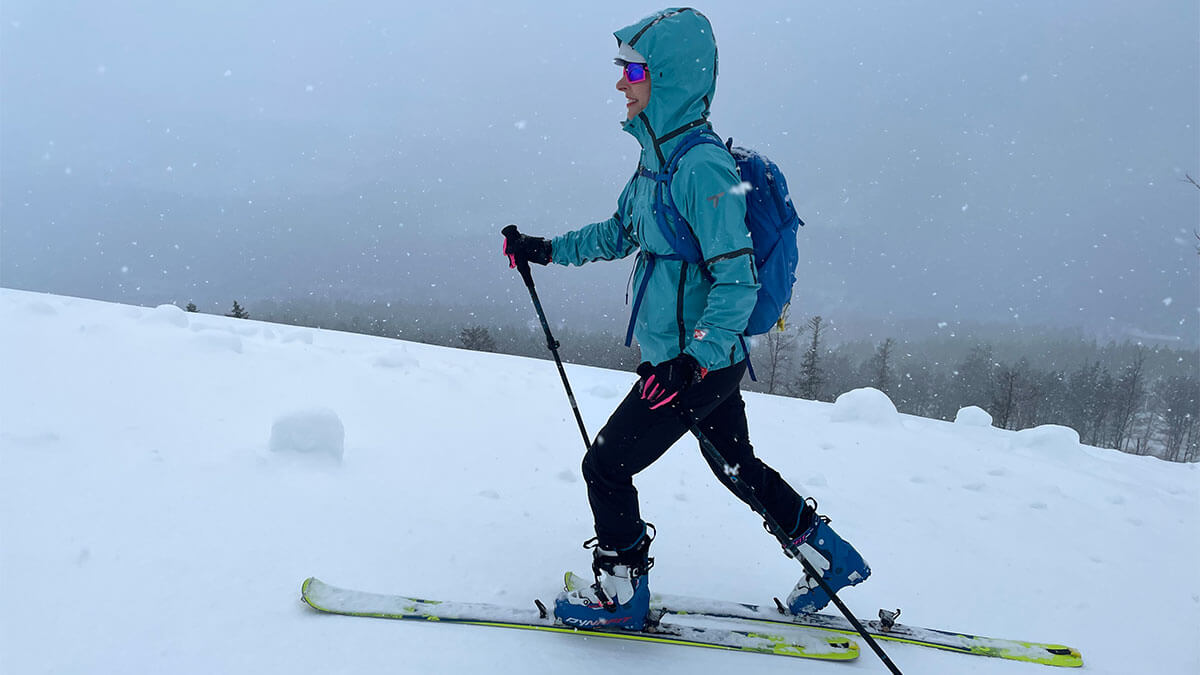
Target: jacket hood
681,53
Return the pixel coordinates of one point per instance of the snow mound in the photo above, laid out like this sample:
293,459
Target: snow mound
866,405
315,432
1048,439
973,416
167,315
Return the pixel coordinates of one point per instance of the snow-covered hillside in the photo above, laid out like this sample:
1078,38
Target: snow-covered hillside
150,521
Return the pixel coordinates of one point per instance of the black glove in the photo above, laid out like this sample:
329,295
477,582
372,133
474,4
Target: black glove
662,383
519,247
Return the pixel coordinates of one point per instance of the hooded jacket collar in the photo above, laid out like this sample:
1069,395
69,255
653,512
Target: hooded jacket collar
681,53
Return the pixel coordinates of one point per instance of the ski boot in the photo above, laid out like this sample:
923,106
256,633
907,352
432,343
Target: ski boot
837,561
620,598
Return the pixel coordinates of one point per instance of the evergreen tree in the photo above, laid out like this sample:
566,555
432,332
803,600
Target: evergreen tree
840,376
932,393
477,338
812,378
1049,402
878,368
1028,395
972,383
238,312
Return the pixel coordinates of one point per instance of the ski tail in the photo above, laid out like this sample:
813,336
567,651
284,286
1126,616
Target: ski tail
1043,653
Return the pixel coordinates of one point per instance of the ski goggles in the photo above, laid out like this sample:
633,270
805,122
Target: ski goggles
634,72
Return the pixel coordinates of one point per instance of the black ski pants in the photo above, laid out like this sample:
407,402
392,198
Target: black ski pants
636,436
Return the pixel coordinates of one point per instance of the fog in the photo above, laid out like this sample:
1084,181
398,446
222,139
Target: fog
1019,162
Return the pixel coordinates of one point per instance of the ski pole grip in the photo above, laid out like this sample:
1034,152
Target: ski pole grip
644,369
512,234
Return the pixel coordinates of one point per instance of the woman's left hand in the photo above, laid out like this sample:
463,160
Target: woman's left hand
661,384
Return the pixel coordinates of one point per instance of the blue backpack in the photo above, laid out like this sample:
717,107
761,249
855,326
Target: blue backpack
770,217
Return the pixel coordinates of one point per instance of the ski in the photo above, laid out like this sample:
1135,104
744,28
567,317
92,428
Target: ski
333,600
884,628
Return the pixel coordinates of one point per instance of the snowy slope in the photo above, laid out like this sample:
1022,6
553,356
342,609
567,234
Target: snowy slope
147,526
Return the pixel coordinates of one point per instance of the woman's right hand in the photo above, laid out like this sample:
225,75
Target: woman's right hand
519,247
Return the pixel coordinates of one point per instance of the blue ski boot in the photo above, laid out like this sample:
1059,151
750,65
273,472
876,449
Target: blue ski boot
620,598
837,561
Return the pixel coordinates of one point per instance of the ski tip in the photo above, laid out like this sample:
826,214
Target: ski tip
311,587
305,590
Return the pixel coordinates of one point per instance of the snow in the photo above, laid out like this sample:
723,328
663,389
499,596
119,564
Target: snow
167,314
159,510
863,407
974,416
316,431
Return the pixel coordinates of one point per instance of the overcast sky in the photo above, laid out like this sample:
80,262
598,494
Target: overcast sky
953,161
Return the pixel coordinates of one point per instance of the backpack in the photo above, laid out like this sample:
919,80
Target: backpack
770,217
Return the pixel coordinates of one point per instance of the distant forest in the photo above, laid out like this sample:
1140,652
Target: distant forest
1139,399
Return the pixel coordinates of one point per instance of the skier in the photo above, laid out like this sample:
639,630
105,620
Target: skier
689,327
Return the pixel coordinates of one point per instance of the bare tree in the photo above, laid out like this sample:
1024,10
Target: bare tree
1008,395
781,345
1127,395
1179,398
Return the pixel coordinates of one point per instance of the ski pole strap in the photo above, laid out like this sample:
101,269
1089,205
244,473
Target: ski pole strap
511,234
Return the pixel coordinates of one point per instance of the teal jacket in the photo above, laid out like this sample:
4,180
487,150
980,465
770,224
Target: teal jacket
693,309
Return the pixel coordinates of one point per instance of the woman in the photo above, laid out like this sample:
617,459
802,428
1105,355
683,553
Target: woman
689,325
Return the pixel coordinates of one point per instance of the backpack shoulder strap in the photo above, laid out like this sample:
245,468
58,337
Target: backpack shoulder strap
681,238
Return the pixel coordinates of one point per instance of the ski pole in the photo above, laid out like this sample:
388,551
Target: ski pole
747,492
792,551
552,344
